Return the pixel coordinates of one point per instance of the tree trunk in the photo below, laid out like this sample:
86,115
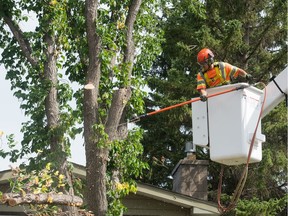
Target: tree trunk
96,156
97,153
52,114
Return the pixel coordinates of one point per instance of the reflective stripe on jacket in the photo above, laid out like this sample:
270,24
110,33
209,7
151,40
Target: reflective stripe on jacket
221,74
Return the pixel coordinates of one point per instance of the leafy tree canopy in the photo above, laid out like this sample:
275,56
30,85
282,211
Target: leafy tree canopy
101,45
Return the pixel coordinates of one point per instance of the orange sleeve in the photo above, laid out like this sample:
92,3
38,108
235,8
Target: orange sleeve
232,72
200,82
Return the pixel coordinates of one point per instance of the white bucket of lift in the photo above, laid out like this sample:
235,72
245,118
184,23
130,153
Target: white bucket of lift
227,122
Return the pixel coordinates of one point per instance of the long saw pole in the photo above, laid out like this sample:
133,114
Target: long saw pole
184,103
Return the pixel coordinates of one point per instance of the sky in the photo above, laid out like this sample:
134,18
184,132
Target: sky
11,118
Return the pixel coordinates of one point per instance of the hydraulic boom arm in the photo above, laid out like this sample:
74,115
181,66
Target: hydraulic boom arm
276,91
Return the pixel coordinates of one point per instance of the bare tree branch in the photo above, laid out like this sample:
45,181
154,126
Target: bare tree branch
24,44
130,47
119,101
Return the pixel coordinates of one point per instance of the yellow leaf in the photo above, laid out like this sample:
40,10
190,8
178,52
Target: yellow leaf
61,177
49,182
133,189
44,189
23,193
1,133
48,166
36,180
119,186
37,191
60,185
120,25
49,199
53,2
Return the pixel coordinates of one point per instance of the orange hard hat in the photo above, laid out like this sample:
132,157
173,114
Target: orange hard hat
204,56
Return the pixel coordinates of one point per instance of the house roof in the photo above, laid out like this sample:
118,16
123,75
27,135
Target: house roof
146,190
175,198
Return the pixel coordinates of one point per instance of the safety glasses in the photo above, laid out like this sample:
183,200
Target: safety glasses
207,61
203,63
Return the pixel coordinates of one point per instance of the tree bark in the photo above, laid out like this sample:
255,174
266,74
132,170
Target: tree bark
96,156
13,199
130,47
53,115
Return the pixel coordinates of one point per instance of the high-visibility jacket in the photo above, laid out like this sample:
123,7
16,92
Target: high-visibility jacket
221,74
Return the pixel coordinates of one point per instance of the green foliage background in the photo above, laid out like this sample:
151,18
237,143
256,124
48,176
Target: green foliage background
249,34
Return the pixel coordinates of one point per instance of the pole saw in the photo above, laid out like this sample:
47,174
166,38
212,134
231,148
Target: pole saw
137,118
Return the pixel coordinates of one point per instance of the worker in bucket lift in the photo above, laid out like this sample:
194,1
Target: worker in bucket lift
214,74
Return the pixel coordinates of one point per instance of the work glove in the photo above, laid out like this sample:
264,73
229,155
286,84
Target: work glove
249,78
203,98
